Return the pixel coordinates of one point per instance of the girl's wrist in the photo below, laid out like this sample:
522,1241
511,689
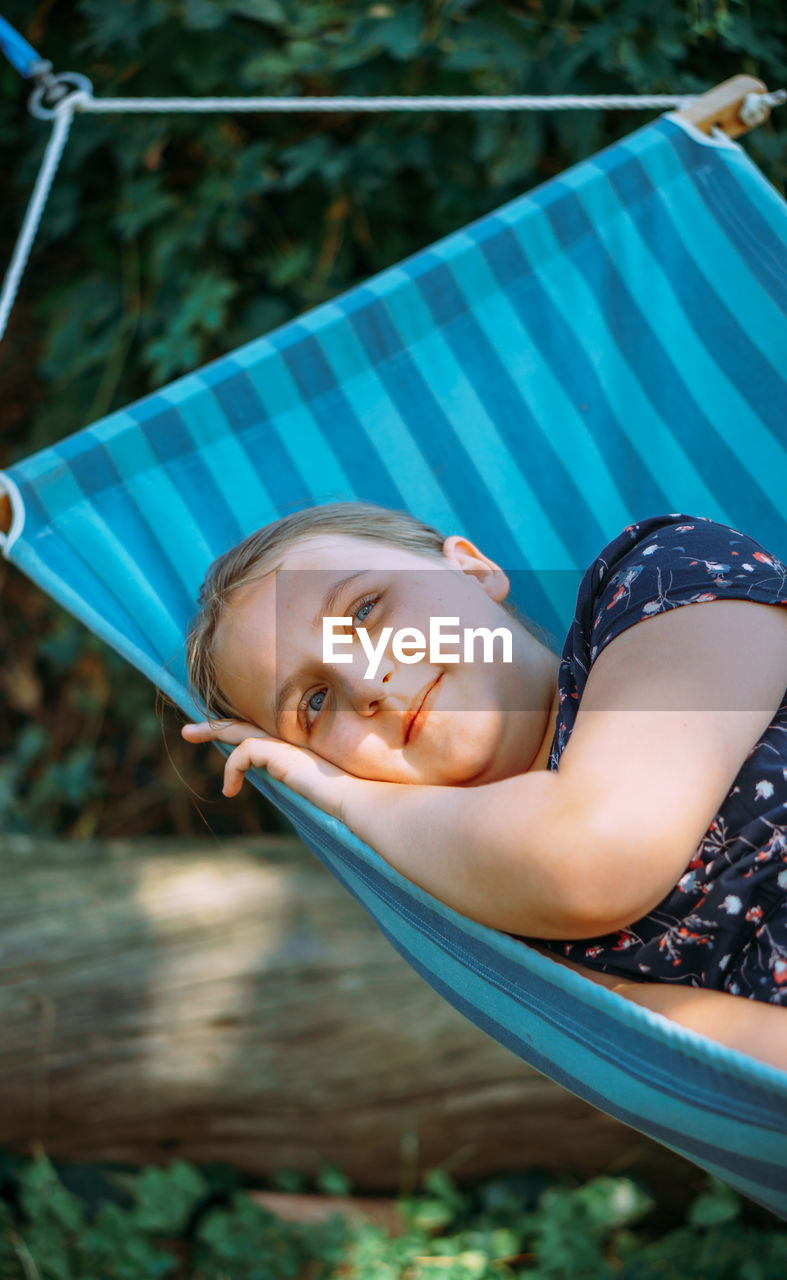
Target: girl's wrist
361,804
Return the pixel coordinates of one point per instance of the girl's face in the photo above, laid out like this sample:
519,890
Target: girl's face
441,722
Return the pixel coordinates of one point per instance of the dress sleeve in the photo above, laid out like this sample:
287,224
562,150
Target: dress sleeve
669,561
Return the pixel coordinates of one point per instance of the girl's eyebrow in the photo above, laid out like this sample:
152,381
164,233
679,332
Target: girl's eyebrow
283,697
331,596
325,610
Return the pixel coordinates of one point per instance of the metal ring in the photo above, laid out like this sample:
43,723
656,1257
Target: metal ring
48,97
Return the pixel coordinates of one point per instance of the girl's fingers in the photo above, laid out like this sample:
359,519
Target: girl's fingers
229,731
310,775
258,753
301,770
235,769
286,763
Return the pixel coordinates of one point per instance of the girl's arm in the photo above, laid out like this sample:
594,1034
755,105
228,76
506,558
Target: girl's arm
456,843
670,711
750,1026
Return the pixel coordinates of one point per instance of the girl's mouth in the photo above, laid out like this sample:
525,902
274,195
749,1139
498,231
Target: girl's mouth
418,711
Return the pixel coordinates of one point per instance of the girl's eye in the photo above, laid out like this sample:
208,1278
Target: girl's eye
313,705
364,609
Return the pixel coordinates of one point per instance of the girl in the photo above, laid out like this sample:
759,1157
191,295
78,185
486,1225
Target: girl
626,804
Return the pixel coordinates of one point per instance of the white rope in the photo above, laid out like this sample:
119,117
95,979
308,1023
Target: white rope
82,100
51,160
651,102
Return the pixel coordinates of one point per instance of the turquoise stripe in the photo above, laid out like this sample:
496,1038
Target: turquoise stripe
743,225
770,203
396,443
114,561
329,405
608,1073
529,414
527,520
225,456
70,583
542,597
479,488
580,1000
677,483
320,470
655,366
463,395
154,488
315,460
52,560
563,361
682,216
272,457
128,579
708,243
414,398
704,377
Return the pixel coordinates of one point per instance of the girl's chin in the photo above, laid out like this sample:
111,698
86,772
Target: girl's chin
469,772
444,762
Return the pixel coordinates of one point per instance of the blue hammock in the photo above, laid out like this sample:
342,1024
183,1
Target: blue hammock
605,348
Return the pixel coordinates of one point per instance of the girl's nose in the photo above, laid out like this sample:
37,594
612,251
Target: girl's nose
367,695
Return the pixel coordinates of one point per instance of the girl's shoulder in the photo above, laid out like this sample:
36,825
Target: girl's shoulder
665,562
652,566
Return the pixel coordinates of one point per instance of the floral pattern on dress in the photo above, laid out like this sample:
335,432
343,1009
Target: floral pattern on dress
724,924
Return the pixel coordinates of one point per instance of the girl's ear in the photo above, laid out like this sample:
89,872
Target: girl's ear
465,555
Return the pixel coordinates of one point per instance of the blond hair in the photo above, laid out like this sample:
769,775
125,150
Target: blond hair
254,558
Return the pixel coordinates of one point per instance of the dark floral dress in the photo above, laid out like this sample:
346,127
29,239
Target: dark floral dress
724,925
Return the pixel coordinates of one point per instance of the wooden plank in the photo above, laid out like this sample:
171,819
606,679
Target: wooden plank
6,513
720,107
230,1001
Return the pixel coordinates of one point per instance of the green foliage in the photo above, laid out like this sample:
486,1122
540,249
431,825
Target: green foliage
332,1182
170,1225
169,240
248,1242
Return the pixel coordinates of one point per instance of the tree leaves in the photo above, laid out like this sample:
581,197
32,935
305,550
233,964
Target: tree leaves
203,309
178,1221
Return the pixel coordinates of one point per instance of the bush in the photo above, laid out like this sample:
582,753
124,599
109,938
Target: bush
172,1223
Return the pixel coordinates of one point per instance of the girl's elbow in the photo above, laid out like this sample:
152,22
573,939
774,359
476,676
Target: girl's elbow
604,900
585,908
615,877
587,920
595,892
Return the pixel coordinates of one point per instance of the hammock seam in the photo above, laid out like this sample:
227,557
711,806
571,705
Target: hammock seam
697,1047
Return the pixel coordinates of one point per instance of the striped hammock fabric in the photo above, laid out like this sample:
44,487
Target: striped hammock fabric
608,347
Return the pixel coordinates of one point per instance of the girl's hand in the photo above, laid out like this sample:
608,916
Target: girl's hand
312,777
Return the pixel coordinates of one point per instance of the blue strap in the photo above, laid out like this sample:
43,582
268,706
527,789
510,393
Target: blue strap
19,53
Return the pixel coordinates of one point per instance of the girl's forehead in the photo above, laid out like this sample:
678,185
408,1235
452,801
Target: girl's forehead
304,572
347,551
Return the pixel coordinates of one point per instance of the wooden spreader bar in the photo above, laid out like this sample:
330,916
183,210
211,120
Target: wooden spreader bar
720,107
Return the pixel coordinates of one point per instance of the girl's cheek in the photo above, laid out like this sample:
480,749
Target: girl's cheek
347,739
